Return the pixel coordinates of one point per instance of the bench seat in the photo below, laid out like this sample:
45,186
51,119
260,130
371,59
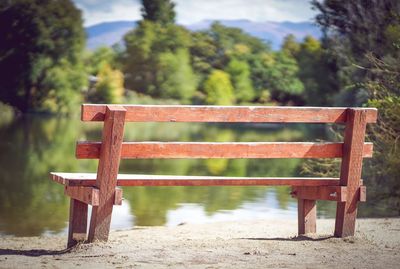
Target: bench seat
89,179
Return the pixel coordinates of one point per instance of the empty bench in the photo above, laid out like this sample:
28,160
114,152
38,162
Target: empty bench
101,190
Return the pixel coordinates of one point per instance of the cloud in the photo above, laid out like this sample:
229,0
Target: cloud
255,10
192,11
96,11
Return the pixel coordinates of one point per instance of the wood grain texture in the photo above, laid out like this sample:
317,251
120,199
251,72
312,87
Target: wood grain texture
307,216
327,193
107,171
179,113
169,150
87,195
350,172
77,228
89,179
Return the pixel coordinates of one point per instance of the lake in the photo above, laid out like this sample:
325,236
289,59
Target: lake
32,146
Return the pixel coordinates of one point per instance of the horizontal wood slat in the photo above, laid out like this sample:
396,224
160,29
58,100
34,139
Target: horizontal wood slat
89,194
86,194
170,113
148,150
89,179
327,193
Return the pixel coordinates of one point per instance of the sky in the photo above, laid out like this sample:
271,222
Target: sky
192,11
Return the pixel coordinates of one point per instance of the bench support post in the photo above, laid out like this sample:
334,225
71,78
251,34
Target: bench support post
107,171
307,216
77,229
350,173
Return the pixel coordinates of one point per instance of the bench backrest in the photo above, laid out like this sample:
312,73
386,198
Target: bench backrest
116,115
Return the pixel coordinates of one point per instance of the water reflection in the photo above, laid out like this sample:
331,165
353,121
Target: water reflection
30,147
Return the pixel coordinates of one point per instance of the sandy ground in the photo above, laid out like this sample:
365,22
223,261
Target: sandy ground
255,244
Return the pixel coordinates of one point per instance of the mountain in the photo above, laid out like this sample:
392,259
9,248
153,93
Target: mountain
109,33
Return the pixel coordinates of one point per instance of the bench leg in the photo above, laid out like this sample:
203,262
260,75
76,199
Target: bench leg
107,172
307,216
77,222
346,214
100,221
350,172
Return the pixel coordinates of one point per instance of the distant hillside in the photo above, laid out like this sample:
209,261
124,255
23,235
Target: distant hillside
109,33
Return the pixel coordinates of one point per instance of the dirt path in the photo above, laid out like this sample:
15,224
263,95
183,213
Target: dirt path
256,244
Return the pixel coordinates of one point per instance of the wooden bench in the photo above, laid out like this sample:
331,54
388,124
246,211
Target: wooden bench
101,190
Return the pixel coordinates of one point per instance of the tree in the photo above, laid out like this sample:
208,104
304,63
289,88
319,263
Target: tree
150,48
227,38
277,73
109,88
177,79
219,89
217,47
239,72
364,25
290,46
40,47
365,38
383,87
283,80
317,69
203,51
102,55
356,28
160,11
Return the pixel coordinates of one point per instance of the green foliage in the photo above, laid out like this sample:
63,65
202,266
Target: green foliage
356,28
280,76
109,88
157,62
203,51
383,170
132,97
221,46
63,82
364,36
39,39
290,46
363,25
219,89
239,71
214,48
228,38
255,71
107,81
317,70
160,11
178,80
102,55
164,60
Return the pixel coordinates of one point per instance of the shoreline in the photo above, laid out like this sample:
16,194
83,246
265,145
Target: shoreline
244,244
